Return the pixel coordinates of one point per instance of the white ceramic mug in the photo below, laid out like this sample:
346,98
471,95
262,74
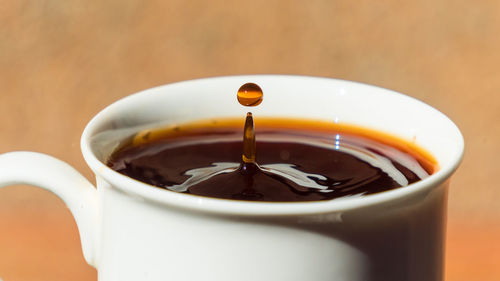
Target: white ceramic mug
132,231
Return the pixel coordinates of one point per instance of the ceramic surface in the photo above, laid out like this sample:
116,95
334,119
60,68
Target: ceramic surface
131,231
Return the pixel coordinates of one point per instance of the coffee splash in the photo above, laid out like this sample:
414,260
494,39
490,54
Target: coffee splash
286,165
250,94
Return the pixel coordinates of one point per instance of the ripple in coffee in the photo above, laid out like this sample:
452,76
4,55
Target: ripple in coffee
280,160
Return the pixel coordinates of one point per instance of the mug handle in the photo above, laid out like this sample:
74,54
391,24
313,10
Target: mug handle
54,175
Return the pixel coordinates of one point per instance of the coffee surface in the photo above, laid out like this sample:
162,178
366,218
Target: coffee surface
293,162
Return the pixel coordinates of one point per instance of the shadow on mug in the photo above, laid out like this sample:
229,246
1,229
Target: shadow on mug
400,240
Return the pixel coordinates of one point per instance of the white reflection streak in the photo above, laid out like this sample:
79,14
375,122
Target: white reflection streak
287,171
337,142
201,174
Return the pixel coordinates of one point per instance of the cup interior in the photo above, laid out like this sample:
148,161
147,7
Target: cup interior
323,99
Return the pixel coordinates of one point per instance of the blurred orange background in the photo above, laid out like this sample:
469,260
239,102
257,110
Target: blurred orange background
61,62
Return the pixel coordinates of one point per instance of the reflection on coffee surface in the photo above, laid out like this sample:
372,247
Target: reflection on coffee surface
296,160
291,161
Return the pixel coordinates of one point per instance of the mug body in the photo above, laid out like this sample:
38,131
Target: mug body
143,240
147,233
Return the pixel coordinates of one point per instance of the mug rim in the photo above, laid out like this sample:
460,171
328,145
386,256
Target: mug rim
240,207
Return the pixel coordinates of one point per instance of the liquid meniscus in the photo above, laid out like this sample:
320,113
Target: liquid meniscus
298,160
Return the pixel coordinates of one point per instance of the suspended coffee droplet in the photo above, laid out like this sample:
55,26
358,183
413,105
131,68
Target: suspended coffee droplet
250,94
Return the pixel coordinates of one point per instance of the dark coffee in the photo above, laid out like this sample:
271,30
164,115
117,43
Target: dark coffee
296,160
